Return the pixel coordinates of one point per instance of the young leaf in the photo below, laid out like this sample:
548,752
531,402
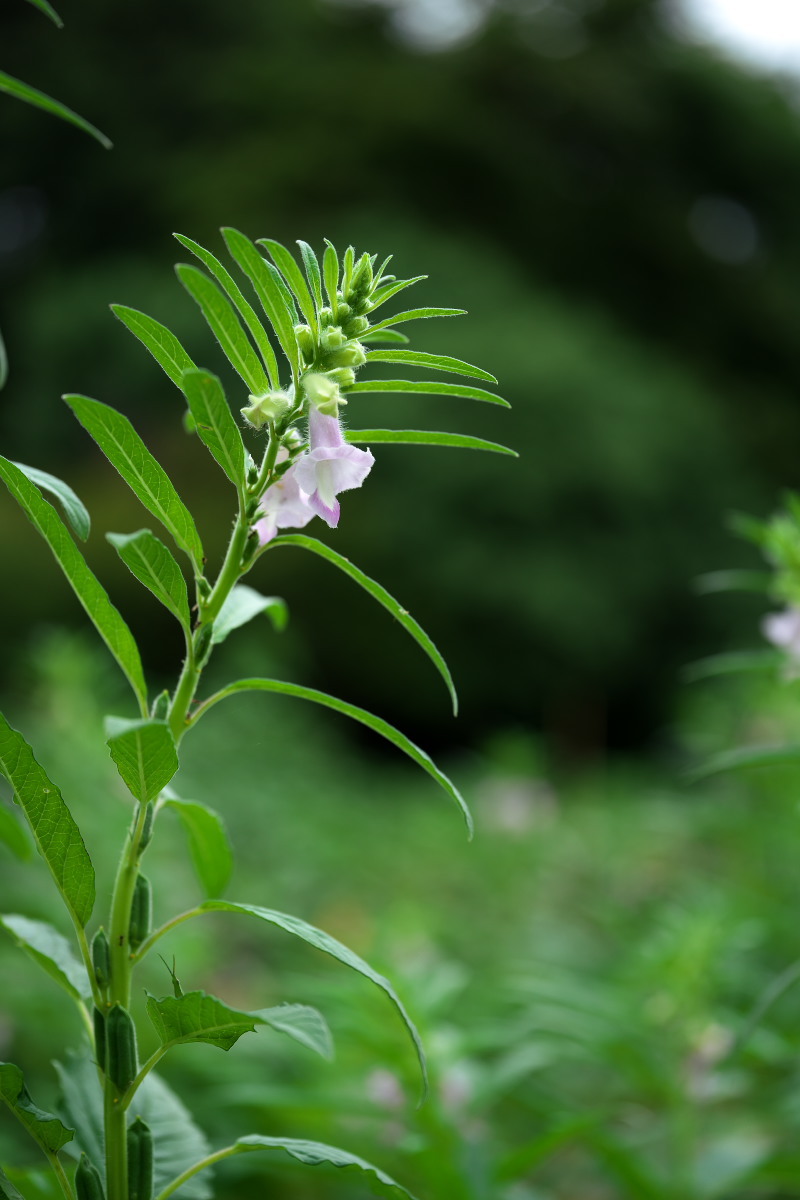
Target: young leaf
226,327
425,437
208,843
92,595
44,1127
13,835
311,265
216,427
417,314
388,336
144,753
242,605
126,451
246,309
155,337
350,710
409,386
74,509
380,594
328,945
197,1017
57,837
257,270
294,277
7,1189
330,273
302,1023
283,291
438,362
152,564
51,951
382,294
23,91
49,11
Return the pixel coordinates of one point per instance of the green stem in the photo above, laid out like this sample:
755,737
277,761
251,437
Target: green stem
148,943
116,1130
152,1061
174,1184
61,1176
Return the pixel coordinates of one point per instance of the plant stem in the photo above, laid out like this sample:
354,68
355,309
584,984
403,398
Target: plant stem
148,944
198,1166
61,1176
116,1131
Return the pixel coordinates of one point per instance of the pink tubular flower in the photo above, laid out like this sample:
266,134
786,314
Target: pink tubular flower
329,466
284,505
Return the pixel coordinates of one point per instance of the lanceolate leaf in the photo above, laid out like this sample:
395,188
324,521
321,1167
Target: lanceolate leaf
57,837
389,337
74,509
349,710
323,941
44,1127
380,594
301,1023
225,325
409,386
748,756
311,264
417,314
330,272
257,270
294,277
144,753
23,91
92,595
385,293
425,437
155,337
51,951
126,451
153,565
243,604
216,427
208,843
197,1017
439,362
49,11
733,581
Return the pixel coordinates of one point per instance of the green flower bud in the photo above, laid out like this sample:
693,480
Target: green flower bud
344,376
342,308
325,316
361,280
323,392
306,342
356,326
351,355
269,407
250,547
292,440
333,338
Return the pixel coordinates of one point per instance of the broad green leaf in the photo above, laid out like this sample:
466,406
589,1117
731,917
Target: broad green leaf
144,753
3,363
44,1127
160,341
14,835
7,1189
409,386
417,314
380,594
153,565
216,427
74,509
92,595
382,294
425,437
57,837
311,264
51,951
257,270
330,273
246,309
438,362
302,1023
226,327
208,843
733,663
328,945
349,710
197,1017
733,581
126,451
49,11
390,337
242,605
286,264
23,91
747,756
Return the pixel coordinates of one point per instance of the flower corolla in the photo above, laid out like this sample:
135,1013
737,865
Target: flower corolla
329,466
284,505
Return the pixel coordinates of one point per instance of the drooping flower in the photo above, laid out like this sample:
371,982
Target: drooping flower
329,466
284,505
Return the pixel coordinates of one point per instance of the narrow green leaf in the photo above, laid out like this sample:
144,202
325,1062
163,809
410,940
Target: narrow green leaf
144,753
126,451
44,1127
286,264
216,427
208,843
380,594
3,363
733,581
49,11
92,595
311,265
258,272
155,337
152,564
226,327
417,314
197,1017
438,362
747,756
301,1023
382,294
410,386
349,710
732,663
246,309
328,945
347,269
74,509
14,835
51,950
242,605
7,1189
283,291
425,437
23,91
57,837
330,273
389,337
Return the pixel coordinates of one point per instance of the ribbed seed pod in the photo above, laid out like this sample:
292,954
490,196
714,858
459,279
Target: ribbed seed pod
88,1184
140,1161
147,827
99,1038
101,959
121,1057
141,912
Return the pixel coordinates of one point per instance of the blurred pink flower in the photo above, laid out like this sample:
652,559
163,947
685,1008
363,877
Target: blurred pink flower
284,505
783,630
329,466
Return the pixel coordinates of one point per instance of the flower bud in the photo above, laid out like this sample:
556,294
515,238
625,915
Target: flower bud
342,308
269,407
361,280
306,342
333,338
344,376
292,440
356,326
323,392
325,316
351,355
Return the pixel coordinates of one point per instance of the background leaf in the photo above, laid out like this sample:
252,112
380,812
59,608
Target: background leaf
243,604
44,1127
313,1154
208,843
145,755
74,509
7,1189
51,951
49,11
23,91
302,1023
153,565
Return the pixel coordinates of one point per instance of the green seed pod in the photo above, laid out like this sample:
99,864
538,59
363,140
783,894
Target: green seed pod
101,959
140,1161
160,706
202,643
251,545
88,1184
147,827
141,912
99,1038
122,1061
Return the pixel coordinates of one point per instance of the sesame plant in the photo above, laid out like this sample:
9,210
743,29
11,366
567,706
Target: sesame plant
120,1132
